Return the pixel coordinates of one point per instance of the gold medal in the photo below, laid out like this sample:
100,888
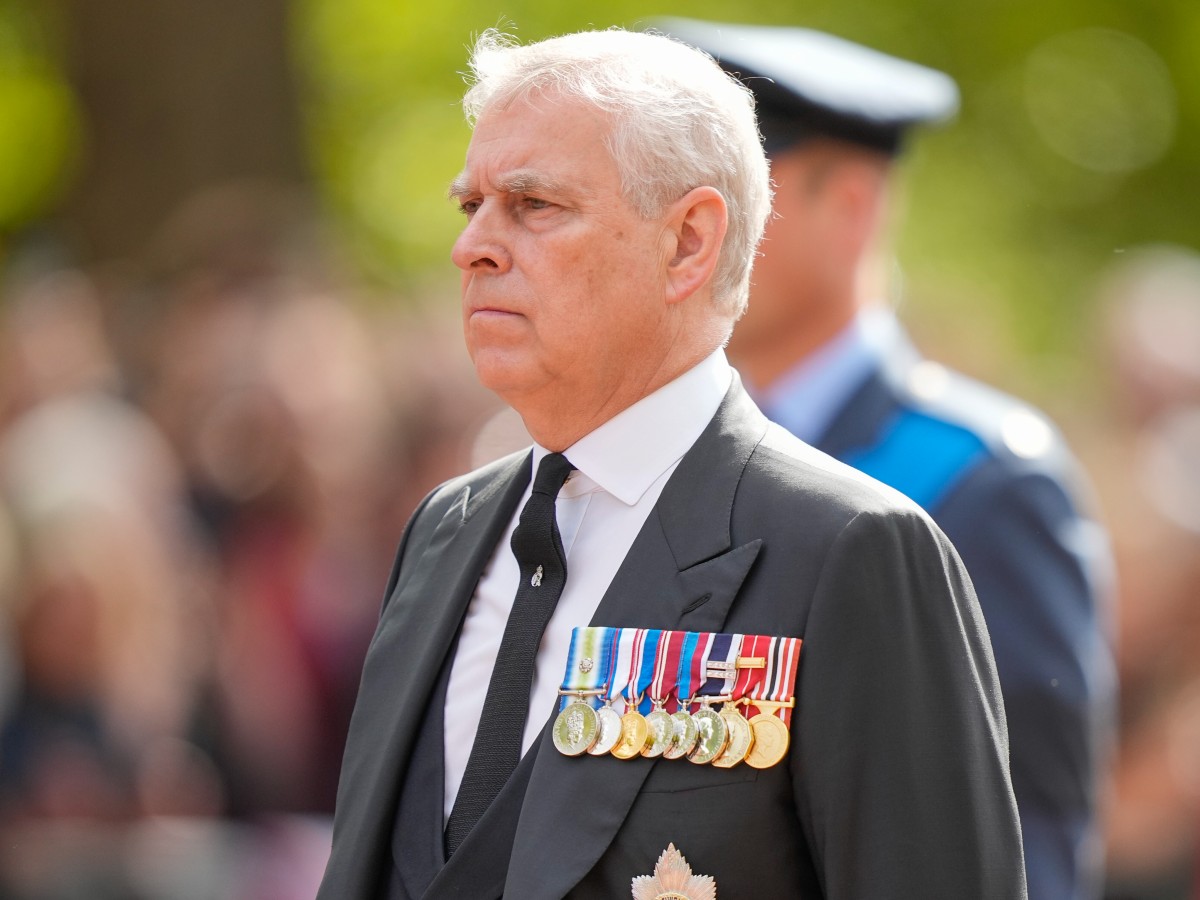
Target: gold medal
634,735
575,729
714,735
610,730
771,741
685,736
661,729
741,738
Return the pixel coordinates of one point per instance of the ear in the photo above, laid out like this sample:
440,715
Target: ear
697,223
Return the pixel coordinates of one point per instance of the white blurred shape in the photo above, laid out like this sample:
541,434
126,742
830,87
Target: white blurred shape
1170,466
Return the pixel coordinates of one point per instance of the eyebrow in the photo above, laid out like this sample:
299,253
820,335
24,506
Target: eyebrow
518,182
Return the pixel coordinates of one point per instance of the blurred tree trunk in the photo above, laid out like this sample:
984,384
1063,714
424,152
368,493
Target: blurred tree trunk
176,95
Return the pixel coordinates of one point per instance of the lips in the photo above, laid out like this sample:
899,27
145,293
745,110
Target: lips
489,307
493,314
481,300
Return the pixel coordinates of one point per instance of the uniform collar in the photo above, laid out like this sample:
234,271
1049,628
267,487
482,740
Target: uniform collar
807,397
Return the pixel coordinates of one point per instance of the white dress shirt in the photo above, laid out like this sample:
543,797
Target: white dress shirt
622,468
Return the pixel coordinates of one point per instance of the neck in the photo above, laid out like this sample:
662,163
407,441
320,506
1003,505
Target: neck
557,423
763,362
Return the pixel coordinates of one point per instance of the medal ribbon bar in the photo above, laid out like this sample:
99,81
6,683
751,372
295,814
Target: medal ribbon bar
624,644
647,664
689,666
762,686
666,669
775,694
785,692
721,650
749,679
632,692
588,661
658,673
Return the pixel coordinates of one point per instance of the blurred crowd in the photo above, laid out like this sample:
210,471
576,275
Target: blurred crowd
1145,458
206,460
205,464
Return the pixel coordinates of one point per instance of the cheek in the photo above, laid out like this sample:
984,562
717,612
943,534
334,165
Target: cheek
771,259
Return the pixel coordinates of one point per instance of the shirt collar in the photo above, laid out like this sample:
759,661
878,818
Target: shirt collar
629,452
805,399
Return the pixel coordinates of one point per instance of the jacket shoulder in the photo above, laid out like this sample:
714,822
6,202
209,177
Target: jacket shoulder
486,478
790,468
945,426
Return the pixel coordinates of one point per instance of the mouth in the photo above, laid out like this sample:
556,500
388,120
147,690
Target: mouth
489,309
491,312
481,297
482,305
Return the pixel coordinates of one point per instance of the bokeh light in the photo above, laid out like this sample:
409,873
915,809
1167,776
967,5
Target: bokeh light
39,125
1101,99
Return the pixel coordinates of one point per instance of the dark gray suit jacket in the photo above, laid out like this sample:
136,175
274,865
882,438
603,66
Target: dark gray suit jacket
897,783
1042,571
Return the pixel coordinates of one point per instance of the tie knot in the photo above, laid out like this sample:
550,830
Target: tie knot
552,474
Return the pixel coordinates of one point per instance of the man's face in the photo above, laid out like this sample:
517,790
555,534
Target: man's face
562,280
807,283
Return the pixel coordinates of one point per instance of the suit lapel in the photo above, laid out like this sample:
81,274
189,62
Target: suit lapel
681,573
417,629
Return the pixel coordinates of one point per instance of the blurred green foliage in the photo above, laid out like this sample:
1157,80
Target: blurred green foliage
1078,138
39,123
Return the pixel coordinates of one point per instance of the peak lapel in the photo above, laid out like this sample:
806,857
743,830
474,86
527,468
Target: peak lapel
417,629
680,573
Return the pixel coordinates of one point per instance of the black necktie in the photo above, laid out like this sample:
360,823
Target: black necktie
497,748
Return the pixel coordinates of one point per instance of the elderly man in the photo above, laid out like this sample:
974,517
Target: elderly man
827,359
614,191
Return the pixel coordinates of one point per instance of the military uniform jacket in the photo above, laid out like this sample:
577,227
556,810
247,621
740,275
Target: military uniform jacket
997,477
896,784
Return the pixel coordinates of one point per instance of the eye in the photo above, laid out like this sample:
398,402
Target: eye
537,203
468,207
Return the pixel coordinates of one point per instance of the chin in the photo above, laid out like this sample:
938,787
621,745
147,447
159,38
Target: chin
501,374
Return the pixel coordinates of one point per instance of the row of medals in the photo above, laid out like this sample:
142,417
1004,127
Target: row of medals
722,738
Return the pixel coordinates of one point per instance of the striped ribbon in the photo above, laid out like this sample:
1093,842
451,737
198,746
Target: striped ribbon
785,676
647,663
593,644
691,664
718,651
622,665
666,669
640,664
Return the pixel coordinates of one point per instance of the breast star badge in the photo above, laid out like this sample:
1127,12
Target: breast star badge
673,880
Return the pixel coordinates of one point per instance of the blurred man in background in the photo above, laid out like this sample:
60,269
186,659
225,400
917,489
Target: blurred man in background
827,359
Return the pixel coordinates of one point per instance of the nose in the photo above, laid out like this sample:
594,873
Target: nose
482,245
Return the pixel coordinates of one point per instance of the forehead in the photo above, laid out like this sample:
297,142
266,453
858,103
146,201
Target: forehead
539,140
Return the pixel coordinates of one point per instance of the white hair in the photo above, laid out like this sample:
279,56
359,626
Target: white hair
679,122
